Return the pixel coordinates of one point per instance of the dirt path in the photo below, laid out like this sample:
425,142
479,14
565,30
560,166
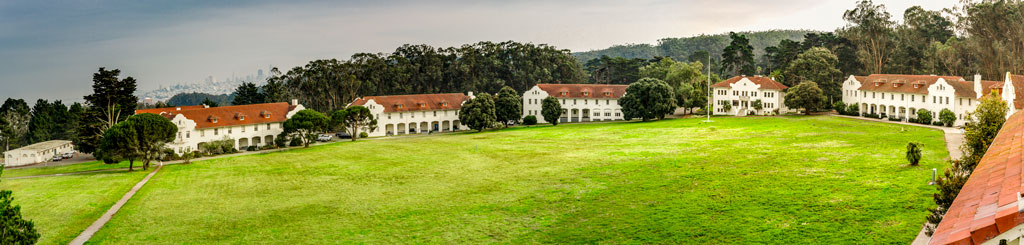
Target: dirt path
954,139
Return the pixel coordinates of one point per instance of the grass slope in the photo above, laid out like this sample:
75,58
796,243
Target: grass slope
61,207
737,180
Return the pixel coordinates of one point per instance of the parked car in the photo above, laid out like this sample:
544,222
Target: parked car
57,158
69,155
324,138
343,135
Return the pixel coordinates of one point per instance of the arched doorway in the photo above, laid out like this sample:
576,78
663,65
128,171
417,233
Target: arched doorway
423,127
401,129
243,143
446,126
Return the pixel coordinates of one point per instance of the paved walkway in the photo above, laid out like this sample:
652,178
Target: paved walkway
99,223
954,139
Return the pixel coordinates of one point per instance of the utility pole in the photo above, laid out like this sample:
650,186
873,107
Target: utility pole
708,110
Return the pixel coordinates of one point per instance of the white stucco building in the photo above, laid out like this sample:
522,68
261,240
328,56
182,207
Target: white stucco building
741,93
894,95
245,125
36,153
415,113
580,102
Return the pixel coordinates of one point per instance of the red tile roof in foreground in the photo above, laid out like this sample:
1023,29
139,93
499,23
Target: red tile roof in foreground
987,204
583,90
1018,86
230,115
765,82
416,102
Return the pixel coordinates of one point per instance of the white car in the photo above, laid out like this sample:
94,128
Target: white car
324,138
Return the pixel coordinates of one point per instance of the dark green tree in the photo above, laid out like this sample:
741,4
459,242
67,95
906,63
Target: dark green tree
805,95
13,228
113,100
508,106
478,113
248,93
306,124
738,57
209,103
819,65
352,119
551,110
18,115
152,133
119,143
647,99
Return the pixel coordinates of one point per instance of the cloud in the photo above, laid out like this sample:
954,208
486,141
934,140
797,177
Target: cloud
51,49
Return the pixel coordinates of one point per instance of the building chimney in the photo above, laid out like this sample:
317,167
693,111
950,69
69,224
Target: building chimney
178,109
978,89
470,94
295,101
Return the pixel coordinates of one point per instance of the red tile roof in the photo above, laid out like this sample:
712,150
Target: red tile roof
765,82
583,90
169,109
231,115
906,84
987,204
416,102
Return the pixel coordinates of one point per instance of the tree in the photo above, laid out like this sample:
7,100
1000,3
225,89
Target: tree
924,116
248,93
738,57
530,120
551,110
647,99
819,65
508,106
758,105
209,103
111,102
306,124
840,107
119,143
18,115
153,133
478,113
913,153
805,95
354,118
13,228
869,26
947,117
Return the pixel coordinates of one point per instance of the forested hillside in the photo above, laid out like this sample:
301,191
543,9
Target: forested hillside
682,48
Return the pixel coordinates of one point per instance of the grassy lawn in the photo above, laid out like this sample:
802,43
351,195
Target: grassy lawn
738,180
63,206
87,166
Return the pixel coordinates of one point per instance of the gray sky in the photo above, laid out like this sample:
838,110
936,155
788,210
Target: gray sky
51,48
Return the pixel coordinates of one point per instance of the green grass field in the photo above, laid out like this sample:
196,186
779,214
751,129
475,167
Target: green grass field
737,180
87,166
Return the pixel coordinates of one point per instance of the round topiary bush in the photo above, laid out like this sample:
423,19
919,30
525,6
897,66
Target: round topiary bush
530,120
363,135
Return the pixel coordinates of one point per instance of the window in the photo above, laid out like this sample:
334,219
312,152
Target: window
435,113
188,134
389,115
243,129
586,93
229,130
268,126
255,128
607,102
901,97
202,133
607,93
215,132
912,98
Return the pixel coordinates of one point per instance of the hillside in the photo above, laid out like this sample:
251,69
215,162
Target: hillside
680,48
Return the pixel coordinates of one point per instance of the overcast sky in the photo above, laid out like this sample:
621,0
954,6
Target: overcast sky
50,49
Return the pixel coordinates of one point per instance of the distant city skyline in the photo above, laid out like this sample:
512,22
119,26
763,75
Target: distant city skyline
51,49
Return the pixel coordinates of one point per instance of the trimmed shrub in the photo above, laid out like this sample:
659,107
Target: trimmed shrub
924,116
280,141
530,120
947,117
913,153
252,148
295,142
840,107
938,123
852,110
363,135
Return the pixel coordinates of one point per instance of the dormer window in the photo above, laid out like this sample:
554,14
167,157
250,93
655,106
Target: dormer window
563,93
240,116
607,94
422,105
586,93
265,114
444,103
213,119
399,106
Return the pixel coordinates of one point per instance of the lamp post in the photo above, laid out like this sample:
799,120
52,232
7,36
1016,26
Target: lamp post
708,110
